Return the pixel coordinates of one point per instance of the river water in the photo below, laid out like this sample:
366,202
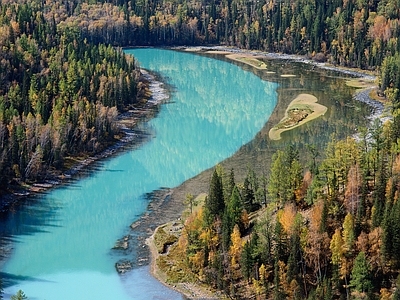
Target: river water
61,242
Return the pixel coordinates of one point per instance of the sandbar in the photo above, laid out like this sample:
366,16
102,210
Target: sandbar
301,110
248,59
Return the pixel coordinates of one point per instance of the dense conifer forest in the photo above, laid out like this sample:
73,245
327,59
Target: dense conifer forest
59,94
328,229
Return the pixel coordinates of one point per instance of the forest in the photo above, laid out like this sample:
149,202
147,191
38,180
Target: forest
63,81
324,229
328,228
344,32
59,94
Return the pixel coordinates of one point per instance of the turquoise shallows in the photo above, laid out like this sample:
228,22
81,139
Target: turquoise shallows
62,241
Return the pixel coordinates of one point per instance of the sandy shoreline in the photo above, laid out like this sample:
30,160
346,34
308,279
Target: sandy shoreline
300,102
269,55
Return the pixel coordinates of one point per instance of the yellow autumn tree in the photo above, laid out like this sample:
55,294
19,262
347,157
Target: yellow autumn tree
287,217
336,248
236,248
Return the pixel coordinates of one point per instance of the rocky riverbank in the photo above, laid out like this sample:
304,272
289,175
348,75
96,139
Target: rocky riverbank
293,57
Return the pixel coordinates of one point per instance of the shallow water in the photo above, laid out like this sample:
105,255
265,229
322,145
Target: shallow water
62,241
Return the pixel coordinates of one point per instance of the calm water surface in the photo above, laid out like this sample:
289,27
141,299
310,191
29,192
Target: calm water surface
62,242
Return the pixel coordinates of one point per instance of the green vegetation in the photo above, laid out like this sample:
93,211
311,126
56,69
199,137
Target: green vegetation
252,61
162,240
347,33
328,229
319,233
59,94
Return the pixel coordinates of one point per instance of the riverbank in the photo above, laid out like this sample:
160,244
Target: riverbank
189,290
129,136
236,53
177,194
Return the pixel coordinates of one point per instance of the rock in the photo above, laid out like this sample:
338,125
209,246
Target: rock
122,244
123,266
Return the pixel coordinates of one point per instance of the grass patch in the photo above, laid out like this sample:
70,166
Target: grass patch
174,266
294,116
163,240
249,60
360,83
254,62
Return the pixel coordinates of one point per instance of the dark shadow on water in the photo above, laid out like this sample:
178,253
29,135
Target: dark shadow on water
11,279
37,214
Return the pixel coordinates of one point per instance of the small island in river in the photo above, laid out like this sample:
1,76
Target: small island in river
302,109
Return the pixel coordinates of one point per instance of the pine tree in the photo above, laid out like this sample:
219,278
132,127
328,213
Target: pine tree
214,203
360,275
228,187
294,258
190,201
235,208
248,195
246,261
279,241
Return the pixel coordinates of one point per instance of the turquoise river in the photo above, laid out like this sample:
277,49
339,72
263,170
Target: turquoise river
61,242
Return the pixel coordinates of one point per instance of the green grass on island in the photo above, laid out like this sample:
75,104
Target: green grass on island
302,109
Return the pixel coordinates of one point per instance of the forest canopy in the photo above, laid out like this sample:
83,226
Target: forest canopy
59,94
62,83
328,230
325,232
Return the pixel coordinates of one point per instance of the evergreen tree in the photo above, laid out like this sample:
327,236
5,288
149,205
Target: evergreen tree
248,195
246,261
294,258
360,274
279,241
285,177
214,203
229,186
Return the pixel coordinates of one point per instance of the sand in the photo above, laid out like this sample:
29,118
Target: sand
300,102
248,59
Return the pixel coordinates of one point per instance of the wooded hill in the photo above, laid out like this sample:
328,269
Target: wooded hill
61,86
314,230
350,33
59,94
330,230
